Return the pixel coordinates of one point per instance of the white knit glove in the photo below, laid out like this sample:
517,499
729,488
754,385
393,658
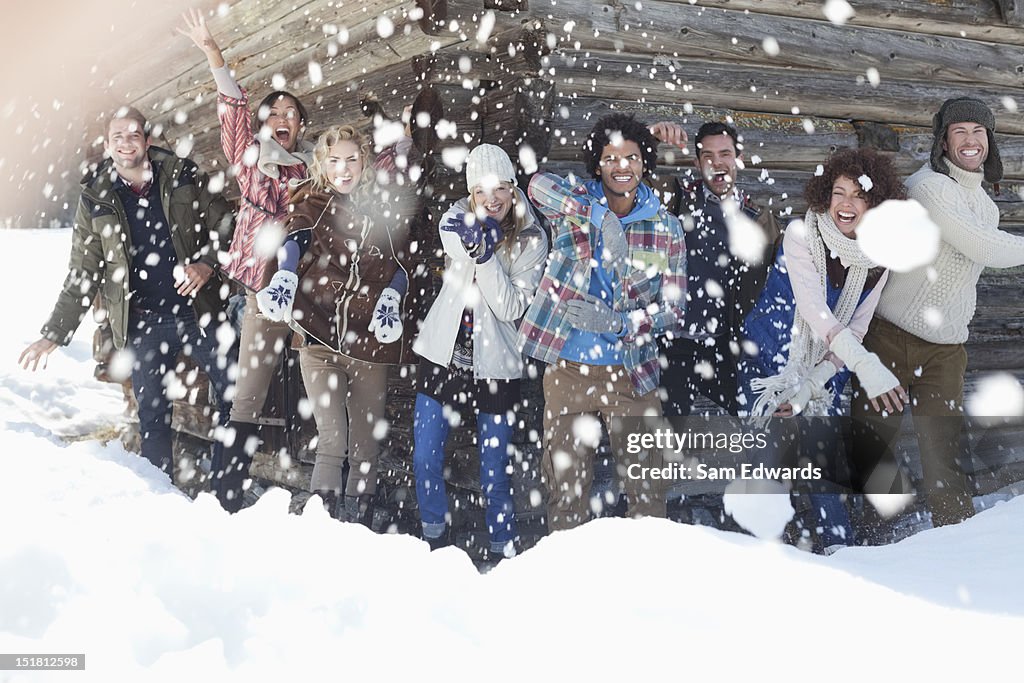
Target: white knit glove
276,299
813,386
874,377
386,324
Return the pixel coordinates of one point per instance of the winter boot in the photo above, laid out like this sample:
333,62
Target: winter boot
359,509
442,541
231,469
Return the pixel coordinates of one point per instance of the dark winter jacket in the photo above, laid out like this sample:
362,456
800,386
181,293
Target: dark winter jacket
707,241
350,260
201,223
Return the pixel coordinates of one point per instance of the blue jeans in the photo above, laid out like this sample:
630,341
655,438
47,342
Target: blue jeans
792,441
156,339
494,432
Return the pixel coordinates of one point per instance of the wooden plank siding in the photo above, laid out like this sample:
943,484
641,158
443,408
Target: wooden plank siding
548,70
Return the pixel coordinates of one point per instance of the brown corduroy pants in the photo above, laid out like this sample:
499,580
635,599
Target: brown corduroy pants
575,395
934,377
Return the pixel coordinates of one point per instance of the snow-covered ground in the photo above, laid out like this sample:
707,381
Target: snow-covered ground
101,555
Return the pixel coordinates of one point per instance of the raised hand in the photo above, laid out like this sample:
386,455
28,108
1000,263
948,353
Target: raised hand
491,235
670,133
197,31
469,234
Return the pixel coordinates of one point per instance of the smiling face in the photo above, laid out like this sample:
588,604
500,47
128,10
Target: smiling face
344,166
849,204
495,202
621,166
283,122
716,159
127,144
966,145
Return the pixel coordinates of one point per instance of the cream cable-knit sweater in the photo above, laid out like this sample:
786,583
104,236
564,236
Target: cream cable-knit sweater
937,302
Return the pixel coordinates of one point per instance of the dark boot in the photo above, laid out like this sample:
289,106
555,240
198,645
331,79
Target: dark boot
359,509
442,541
230,473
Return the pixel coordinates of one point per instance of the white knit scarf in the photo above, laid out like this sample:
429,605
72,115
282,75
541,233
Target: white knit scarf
805,350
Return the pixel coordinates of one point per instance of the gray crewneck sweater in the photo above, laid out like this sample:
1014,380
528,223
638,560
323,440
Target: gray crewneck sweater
937,302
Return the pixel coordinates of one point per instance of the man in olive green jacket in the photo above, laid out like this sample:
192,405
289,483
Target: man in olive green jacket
146,239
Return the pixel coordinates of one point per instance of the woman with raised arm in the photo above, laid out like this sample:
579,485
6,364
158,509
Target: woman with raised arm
341,283
810,320
265,156
494,253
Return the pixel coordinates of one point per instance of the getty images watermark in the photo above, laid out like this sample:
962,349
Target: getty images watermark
724,452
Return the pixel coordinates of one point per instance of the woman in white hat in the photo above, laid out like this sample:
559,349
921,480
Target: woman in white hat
494,258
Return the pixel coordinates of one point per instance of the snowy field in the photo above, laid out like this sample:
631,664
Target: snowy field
102,556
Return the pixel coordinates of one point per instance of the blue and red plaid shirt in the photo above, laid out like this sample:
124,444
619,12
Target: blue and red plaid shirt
652,291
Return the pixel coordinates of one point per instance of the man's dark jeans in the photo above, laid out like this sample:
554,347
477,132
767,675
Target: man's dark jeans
156,339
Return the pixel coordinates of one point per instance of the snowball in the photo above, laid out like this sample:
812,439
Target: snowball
819,170
385,27
527,159
453,157
483,32
998,395
316,74
1009,104
762,507
278,81
387,133
865,183
216,183
899,235
873,78
838,11
770,46
587,430
268,239
184,147
889,504
120,366
746,239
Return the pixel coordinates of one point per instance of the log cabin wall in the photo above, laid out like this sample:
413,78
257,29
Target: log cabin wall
533,76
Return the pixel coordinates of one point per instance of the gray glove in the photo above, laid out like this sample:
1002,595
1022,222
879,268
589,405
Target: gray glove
590,314
614,242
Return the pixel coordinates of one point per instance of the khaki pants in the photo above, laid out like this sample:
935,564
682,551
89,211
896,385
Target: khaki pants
259,350
348,398
934,377
572,391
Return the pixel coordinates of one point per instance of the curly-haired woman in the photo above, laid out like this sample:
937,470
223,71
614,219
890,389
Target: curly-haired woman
814,310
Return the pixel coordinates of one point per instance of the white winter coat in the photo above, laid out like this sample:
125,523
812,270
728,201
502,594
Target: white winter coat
498,292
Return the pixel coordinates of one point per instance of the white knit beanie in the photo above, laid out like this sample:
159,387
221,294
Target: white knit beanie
488,165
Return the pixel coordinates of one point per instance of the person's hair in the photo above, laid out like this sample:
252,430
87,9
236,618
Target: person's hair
330,137
132,114
270,100
514,221
626,125
854,163
717,128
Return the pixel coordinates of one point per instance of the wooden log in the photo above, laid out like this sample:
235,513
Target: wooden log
669,81
689,31
974,19
1012,11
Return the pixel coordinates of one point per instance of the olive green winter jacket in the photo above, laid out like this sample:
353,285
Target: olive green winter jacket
201,223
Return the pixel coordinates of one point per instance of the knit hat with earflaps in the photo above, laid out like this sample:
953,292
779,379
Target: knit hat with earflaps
488,165
962,109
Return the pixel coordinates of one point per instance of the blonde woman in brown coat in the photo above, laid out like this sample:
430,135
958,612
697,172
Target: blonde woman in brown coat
341,283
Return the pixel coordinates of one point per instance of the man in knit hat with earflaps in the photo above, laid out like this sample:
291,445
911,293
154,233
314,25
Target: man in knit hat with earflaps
920,325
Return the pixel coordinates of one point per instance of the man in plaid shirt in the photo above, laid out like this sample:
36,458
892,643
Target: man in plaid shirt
615,281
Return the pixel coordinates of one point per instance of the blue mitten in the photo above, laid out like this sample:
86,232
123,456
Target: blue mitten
492,234
469,234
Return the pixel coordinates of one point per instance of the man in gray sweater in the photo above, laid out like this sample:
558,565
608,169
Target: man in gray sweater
920,325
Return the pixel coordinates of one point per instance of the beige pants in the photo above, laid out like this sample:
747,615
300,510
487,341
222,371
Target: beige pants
260,347
348,398
604,392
